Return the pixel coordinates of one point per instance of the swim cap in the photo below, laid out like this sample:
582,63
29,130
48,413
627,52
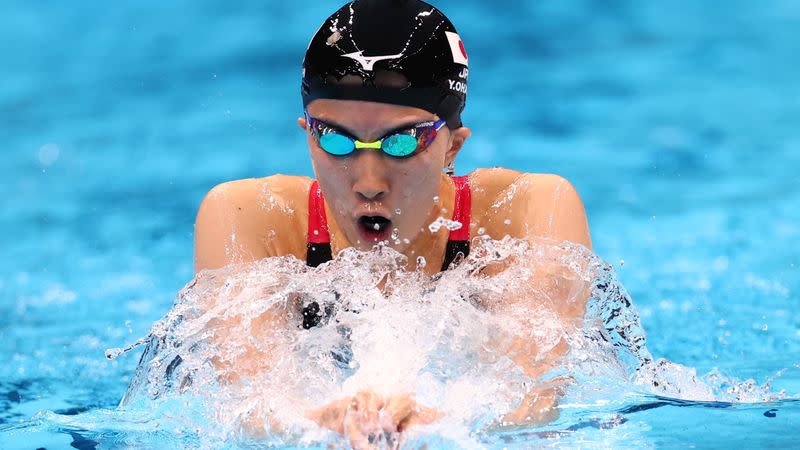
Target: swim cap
403,52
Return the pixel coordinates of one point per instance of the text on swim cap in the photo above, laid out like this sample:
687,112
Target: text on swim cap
458,86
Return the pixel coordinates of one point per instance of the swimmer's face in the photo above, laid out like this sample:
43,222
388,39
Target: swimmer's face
373,196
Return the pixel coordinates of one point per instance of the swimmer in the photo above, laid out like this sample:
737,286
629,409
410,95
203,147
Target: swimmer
384,85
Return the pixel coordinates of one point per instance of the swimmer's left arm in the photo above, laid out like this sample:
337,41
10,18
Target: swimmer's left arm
543,208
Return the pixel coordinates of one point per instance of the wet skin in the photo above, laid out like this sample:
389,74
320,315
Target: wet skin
251,219
246,220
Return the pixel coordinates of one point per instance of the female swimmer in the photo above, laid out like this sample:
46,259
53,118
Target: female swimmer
384,85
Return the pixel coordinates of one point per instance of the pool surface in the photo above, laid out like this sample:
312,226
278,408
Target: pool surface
676,121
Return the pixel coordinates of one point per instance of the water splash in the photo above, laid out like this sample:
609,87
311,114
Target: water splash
513,318
441,222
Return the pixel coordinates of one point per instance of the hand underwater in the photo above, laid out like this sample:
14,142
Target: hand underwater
368,415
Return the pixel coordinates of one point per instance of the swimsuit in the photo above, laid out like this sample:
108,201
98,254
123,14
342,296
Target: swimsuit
318,247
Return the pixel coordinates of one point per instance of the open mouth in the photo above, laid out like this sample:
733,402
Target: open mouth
374,228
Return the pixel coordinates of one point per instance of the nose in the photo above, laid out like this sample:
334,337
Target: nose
369,168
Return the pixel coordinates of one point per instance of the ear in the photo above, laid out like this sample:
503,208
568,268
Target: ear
302,122
457,139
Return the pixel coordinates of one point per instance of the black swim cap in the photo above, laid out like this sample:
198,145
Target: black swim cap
403,52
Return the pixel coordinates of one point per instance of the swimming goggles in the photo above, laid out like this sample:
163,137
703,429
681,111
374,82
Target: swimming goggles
400,143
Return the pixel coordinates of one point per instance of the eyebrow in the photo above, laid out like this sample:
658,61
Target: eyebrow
348,132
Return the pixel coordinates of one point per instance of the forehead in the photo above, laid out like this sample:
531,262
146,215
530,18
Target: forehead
366,117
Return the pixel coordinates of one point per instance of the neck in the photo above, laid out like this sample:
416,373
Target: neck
426,244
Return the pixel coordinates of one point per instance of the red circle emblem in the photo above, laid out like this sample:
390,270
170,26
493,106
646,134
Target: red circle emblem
463,50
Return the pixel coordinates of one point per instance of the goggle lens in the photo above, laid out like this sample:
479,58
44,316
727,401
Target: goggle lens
400,145
336,144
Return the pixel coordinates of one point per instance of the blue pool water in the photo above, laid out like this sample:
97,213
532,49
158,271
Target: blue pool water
676,121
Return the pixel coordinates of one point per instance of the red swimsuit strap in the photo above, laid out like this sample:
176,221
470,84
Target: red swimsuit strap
317,220
462,209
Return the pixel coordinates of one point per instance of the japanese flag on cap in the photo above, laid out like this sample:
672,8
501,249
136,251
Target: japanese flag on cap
457,48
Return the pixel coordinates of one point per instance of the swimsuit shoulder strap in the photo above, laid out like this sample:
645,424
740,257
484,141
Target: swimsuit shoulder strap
462,211
318,246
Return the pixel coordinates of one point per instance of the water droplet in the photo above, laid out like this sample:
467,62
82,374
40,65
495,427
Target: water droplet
406,241
396,235
621,262
435,198
507,221
440,222
316,232
376,226
398,211
481,231
421,262
765,327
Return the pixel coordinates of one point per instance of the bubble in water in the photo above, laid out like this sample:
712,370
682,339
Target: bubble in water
398,211
481,231
395,234
48,154
421,262
507,221
435,198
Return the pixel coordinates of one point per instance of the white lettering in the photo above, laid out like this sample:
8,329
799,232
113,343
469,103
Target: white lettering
458,86
464,73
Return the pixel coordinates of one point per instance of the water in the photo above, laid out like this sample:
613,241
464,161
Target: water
675,123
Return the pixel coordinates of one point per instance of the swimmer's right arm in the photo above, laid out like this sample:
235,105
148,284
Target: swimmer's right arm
230,227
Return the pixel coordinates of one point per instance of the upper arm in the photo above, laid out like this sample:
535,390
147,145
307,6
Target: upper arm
225,230
552,209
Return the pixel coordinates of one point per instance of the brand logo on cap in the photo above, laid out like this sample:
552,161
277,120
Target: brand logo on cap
367,62
457,48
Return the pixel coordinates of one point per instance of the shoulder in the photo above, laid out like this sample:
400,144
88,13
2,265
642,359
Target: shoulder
254,200
244,220
531,205
267,193
539,186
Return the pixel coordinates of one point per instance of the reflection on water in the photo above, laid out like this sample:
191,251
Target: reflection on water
471,342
